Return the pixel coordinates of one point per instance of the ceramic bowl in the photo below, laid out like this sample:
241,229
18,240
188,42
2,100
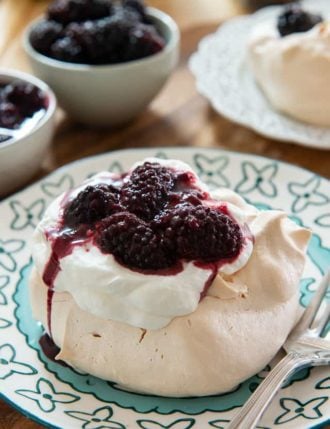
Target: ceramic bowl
21,156
105,95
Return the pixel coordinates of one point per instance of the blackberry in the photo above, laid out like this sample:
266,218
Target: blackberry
102,41
66,49
143,42
138,7
26,97
9,115
133,242
295,20
147,190
66,11
193,197
200,233
96,32
44,34
91,205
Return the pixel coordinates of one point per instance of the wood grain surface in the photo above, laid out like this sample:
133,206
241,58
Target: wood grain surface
178,116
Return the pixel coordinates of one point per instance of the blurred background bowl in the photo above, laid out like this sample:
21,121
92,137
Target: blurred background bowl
21,156
104,95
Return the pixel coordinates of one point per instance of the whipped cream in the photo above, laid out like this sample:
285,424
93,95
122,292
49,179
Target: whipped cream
109,290
293,71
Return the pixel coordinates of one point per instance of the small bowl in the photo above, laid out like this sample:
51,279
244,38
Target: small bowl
104,95
21,156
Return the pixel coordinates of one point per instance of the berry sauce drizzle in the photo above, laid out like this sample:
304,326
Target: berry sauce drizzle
62,244
151,221
50,349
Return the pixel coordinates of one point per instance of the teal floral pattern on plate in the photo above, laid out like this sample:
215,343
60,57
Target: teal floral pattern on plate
27,216
9,365
99,419
294,409
211,170
260,179
55,188
177,424
62,397
307,194
323,384
46,396
7,249
4,281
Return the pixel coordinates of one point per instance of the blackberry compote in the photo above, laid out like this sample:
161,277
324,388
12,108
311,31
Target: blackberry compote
21,105
154,218
96,32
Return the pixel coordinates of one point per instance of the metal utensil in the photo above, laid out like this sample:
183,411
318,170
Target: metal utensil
304,347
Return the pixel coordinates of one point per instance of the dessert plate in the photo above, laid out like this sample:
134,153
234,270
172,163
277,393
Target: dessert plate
58,396
224,78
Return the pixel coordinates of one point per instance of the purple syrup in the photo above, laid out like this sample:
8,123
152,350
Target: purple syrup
63,243
22,104
64,239
50,349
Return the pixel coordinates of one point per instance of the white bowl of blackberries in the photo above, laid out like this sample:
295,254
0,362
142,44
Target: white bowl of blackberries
27,109
105,60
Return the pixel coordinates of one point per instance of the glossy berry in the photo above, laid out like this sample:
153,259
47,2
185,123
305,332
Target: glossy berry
143,42
66,49
91,205
147,190
138,7
9,115
200,233
157,218
133,242
26,97
96,32
44,34
66,11
295,20
103,41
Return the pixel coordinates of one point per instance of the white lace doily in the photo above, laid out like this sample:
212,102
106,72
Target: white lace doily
222,76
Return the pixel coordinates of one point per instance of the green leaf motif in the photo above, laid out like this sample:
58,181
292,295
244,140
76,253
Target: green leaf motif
323,384
46,396
219,424
323,220
4,281
57,188
4,323
258,179
177,424
9,365
27,216
295,409
307,194
99,419
210,170
7,248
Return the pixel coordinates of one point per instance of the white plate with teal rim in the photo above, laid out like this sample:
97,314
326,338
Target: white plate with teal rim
58,396
224,78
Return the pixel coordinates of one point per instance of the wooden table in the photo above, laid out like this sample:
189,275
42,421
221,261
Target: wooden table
178,116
